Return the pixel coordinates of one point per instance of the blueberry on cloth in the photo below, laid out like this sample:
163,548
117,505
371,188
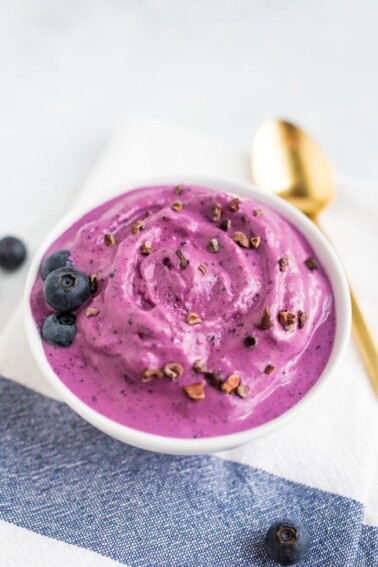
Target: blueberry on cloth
54,261
66,289
59,329
287,542
12,253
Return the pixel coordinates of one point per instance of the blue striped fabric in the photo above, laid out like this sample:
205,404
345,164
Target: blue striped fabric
368,547
62,478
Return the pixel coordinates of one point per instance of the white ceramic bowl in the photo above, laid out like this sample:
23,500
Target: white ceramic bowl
172,445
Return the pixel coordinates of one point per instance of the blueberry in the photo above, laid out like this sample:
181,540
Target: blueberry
54,261
59,329
12,253
287,542
66,289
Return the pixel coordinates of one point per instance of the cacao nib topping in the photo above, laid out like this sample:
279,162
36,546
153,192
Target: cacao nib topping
93,282
241,239
231,383
193,319
287,319
173,370
146,248
91,312
268,369
255,241
302,318
202,268
225,224
182,259
196,391
109,239
178,190
214,378
242,391
214,245
150,373
234,205
217,212
266,321
199,367
283,263
137,226
312,263
258,213
176,206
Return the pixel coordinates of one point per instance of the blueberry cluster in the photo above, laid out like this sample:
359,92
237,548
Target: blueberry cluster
65,290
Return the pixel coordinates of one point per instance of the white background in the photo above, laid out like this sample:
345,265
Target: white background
72,70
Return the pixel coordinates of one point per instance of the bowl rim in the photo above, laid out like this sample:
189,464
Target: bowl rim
188,446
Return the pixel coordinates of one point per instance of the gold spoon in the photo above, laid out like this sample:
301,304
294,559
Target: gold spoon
286,161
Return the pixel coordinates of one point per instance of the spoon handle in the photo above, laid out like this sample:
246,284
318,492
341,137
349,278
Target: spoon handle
365,341
363,336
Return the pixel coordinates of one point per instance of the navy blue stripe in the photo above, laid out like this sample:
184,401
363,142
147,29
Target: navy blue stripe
368,547
62,478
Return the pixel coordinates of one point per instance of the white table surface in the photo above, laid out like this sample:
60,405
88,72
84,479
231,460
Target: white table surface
72,71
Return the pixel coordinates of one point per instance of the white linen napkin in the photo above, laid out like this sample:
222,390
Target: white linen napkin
332,446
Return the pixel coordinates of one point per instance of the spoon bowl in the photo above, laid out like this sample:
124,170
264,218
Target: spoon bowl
288,162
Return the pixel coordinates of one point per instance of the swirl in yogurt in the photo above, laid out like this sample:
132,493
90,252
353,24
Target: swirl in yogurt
263,303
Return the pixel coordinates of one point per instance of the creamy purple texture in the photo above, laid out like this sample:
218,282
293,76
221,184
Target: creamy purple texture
143,302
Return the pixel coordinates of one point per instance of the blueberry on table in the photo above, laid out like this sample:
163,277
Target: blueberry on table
66,289
287,542
12,253
59,329
54,261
